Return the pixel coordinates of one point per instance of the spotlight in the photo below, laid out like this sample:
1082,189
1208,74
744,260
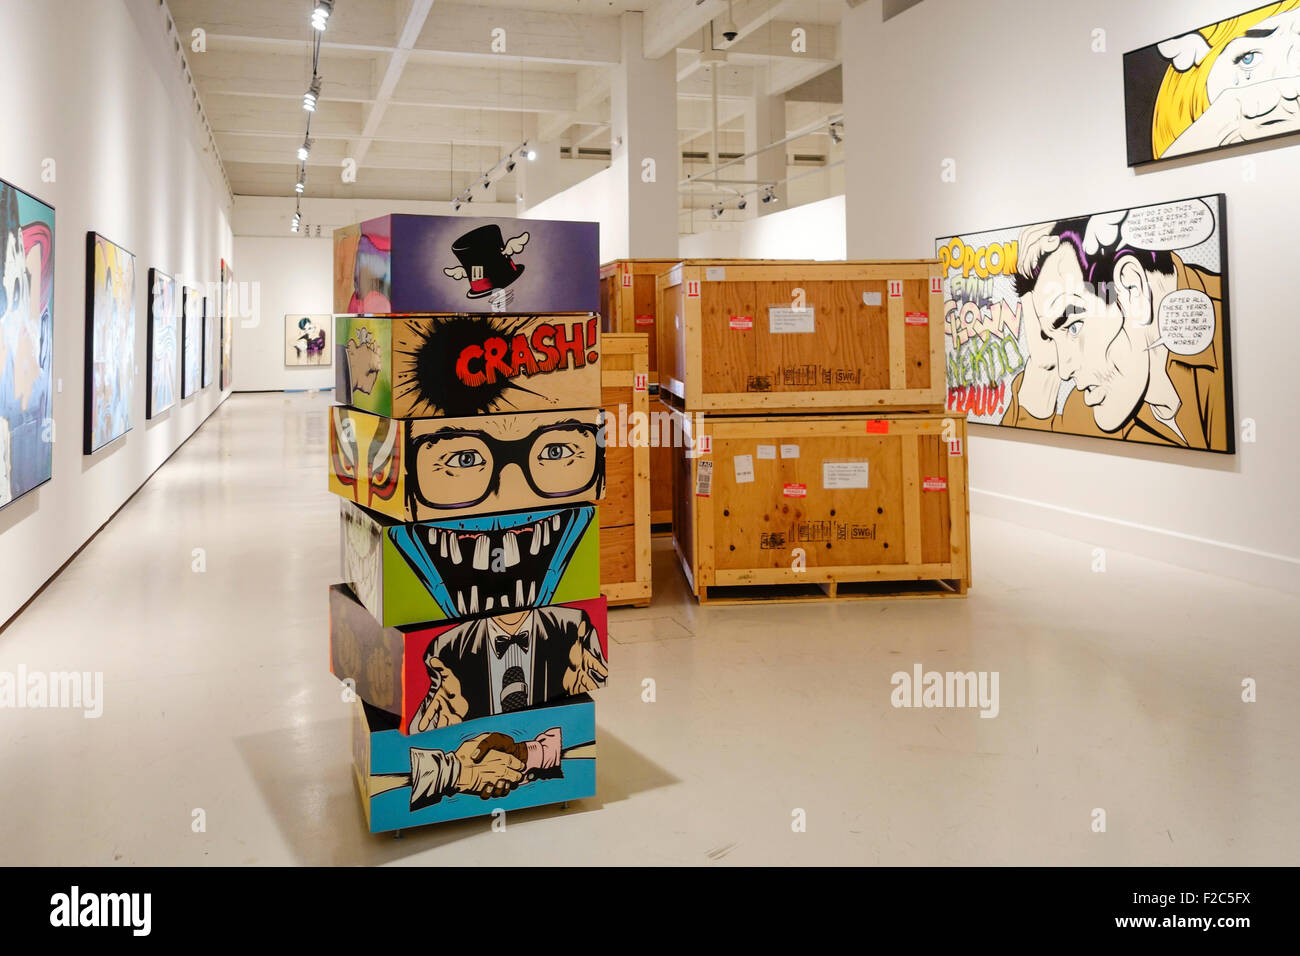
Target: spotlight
299,186
455,205
321,13
510,166
531,154
742,204
469,198
769,195
717,212
297,220
313,93
837,132
304,150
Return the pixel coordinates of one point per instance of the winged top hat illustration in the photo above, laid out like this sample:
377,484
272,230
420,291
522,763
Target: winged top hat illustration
487,260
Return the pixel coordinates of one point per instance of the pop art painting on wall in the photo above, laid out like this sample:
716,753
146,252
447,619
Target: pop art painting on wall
110,341
436,675
1111,325
407,263
162,339
306,339
526,758
1235,81
229,302
192,340
209,344
461,365
26,342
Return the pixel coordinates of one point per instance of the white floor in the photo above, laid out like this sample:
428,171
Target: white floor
1119,690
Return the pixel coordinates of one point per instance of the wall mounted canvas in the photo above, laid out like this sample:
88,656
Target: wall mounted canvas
526,758
1110,325
209,342
191,340
26,342
424,469
459,365
1235,81
435,675
306,339
408,263
110,341
229,301
162,340
429,571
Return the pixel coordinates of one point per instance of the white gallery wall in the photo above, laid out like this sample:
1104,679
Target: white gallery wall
1019,95
597,198
815,230
95,88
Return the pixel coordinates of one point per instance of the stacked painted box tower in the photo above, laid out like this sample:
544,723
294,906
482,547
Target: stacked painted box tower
467,445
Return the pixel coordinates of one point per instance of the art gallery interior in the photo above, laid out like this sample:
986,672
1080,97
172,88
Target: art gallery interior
971,537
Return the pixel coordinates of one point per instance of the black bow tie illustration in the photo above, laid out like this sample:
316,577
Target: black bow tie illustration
501,644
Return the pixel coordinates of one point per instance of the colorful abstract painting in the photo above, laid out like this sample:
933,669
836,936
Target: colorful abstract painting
192,341
1109,325
110,341
26,342
162,340
1232,82
306,339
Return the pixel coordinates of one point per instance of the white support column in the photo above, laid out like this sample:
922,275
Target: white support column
768,113
643,115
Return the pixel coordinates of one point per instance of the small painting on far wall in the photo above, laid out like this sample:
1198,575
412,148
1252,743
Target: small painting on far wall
306,339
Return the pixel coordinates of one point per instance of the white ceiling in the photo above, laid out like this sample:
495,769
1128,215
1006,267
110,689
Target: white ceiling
413,91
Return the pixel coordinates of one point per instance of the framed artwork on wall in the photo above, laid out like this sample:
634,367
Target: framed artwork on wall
26,342
1110,325
228,302
209,343
306,339
160,344
192,338
1221,85
110,341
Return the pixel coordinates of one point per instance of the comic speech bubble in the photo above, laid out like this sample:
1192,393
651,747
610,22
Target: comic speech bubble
1186,322
1175,225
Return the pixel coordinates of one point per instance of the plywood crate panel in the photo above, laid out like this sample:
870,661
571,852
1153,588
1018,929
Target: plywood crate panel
811,507
661,472
629,301
801,336
624,513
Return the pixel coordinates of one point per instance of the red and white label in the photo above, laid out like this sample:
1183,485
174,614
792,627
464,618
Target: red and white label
877,426
936,285
895,288
917,318
627,280
640,381
692,288
742,323
795,490
935,484
704,445
643,320
954,447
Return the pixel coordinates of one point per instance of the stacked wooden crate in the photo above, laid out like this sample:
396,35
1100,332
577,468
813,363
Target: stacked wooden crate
468,448
816,459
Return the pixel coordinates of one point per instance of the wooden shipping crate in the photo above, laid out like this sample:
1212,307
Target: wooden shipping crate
430,366
802,336
426,469
661,476
625,510
629,300
526,758
825,506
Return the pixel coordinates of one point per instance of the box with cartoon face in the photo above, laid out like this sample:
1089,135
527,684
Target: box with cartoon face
427,469
434,570
525,758
406,263
433,675
428,366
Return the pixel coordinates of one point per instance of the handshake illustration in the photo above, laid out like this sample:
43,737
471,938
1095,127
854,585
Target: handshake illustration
490,765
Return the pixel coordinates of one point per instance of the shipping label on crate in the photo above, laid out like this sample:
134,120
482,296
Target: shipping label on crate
640,382
704,478
741,323
845,474
935,484
783,319
789,451
744,466
643,320
877,426
871,299
936,285
766,452
916,318
794,489
715,273
895,288
954,447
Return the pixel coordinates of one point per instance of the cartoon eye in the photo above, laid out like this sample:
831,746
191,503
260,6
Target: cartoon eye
1075,328
469,458
554,451
1246,59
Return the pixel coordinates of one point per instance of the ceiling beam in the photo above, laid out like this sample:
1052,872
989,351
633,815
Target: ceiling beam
407,34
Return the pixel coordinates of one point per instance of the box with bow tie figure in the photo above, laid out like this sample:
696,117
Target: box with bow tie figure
525,758
434,675
456,264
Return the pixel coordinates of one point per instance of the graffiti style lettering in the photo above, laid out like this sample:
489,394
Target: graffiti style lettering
967,320
549,347
978,399
995,259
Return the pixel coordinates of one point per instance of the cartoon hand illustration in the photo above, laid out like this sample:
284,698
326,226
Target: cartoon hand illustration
1239,114
1036,243
1103,231
587,670
445,704
487,771
364,361
1039,384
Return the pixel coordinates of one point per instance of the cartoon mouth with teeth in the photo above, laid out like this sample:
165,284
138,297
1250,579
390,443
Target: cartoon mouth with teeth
493,563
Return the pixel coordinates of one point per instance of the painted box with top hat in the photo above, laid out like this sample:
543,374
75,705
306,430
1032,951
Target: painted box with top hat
405,263
427,366
433,675
454,567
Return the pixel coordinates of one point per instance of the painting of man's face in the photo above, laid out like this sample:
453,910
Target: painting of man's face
1099,349
1263,67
